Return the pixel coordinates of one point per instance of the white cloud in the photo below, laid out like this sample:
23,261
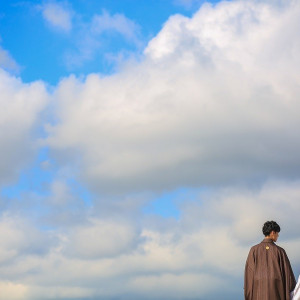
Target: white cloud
100,239
214,102
118,23
90,39
93,36
58,16
12,291
201,255
21,105
7,62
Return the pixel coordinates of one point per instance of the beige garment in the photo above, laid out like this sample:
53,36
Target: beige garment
268,273
295,295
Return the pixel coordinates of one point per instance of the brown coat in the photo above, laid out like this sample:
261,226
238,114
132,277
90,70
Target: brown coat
268,273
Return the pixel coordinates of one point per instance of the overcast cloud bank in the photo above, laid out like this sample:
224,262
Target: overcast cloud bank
109,258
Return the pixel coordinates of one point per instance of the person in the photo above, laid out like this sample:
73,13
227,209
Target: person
268,272
295,294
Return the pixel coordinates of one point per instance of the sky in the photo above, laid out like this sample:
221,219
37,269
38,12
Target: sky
144,144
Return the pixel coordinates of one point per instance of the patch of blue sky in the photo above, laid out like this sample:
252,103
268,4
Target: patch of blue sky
33,47
44,53
36,181
33,178
81,192
168,204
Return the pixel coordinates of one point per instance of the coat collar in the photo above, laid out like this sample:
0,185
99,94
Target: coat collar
268,241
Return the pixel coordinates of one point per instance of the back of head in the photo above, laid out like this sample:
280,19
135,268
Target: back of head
270,226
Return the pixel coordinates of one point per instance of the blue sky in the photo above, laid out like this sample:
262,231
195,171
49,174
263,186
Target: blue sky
133,133
22,23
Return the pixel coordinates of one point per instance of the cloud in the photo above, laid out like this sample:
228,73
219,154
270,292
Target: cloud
201,255
21,105
214,102
7,62
58,16
19,237
102,30
92,38
12,291
118,23
100,239
189,3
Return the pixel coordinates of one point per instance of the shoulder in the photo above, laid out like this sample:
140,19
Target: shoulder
262,245
280,249
254,248
282,252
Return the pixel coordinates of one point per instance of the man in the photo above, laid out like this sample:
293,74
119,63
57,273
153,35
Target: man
268,273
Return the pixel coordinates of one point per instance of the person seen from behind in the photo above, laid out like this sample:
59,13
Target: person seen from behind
268,272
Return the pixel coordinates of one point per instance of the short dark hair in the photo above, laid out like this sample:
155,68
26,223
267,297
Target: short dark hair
270,226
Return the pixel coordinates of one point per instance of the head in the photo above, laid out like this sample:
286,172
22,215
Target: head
271,230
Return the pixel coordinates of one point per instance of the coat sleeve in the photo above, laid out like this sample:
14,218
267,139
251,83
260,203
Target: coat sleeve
249,277
290,280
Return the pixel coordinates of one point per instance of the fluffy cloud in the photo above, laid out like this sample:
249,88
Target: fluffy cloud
18,237
201,255
213,102
21,105
57,16
100,239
